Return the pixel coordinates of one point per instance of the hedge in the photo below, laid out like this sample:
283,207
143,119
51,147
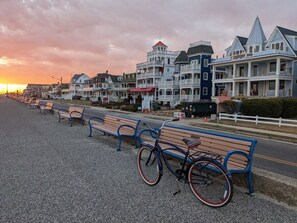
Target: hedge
263,107
273,108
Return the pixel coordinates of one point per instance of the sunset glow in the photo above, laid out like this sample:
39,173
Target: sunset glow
12,88
62,38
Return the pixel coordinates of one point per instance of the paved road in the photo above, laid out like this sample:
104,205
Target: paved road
271,155
50,172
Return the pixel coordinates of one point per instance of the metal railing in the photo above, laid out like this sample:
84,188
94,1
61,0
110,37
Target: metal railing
258,120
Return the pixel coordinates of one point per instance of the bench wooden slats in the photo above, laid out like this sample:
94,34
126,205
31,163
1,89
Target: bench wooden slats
72,113
49,106
236,152
113,125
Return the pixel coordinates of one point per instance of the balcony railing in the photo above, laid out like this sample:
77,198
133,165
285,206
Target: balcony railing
165,97
168,83
148,64
149,75
189,98
146,85
190,82
190,68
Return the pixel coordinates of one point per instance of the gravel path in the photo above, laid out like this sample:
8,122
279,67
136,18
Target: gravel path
50,172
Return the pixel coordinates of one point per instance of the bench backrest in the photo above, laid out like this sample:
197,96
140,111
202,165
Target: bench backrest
210,142
78,109
49,105
116,121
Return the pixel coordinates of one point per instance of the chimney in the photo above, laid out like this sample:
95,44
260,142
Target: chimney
107,71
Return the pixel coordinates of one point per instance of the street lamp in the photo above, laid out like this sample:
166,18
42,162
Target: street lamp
60,84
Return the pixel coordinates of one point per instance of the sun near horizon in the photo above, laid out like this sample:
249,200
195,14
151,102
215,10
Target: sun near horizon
12,88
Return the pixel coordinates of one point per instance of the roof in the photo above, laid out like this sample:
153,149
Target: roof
160,44
257,35
114,78
288,32
242,40
200,49
182,57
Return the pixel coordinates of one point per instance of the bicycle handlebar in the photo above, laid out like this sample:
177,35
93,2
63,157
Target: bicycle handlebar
171,120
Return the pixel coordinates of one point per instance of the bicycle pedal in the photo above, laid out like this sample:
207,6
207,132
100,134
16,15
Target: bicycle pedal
177,192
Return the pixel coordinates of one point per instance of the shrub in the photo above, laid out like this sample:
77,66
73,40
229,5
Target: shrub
229,106
131,108
263,107
289,108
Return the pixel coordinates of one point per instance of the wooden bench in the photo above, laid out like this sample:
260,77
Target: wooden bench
34,104
72,113
49,106
115,125
236,152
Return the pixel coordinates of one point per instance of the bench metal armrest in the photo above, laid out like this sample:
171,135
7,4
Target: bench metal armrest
62,110
235,152
153,133
128,126
94,118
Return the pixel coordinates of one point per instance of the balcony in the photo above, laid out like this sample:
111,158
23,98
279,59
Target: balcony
191,68
148,64
190,83
149,75
165,97
167,84
146,85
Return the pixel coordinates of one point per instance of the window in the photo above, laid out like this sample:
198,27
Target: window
255,70
283,67
282,46
277,46
273,46
272,67
205,90
205,62
205,76
271,85
281,84
257,48
251,49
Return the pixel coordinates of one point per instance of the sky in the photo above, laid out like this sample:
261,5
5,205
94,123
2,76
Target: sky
44,40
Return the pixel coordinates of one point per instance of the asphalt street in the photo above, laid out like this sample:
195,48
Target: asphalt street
50,172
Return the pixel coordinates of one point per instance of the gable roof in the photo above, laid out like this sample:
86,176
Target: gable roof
182,57
200,49
288,32
242,40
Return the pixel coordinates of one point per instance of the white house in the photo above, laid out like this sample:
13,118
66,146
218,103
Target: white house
257,67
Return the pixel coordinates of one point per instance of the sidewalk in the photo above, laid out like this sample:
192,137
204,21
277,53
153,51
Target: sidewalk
51,172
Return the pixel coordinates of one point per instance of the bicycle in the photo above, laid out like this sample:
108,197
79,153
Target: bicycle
208,179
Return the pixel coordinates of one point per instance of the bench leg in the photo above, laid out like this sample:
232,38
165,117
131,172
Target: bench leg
135,141
250,182
90,135
120,143
82,122
71,122
59,117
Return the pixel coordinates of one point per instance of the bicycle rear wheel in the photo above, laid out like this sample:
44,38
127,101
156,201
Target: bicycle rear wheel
148,165
210,182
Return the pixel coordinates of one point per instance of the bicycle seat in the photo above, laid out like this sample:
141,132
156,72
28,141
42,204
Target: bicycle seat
191,143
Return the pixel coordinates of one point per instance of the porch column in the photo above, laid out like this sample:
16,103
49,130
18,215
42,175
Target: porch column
249,69
233,88
276,86
277,77
213,90
248,88
234,70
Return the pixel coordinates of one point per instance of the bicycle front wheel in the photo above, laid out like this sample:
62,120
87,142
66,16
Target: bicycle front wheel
210,182
148,166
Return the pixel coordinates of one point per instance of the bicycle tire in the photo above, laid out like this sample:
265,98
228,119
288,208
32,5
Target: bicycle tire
210,182
148,165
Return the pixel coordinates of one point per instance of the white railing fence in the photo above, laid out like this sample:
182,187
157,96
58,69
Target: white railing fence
258,120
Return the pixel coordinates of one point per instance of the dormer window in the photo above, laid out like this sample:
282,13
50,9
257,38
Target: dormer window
282,46
257,48
251,49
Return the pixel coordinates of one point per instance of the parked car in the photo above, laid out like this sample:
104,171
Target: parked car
76,97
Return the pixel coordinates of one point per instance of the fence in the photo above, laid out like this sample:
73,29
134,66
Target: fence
258,120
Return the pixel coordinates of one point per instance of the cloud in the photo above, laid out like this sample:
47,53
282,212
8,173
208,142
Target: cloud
70,36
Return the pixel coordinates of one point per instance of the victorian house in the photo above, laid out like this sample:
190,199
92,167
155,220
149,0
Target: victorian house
159,65
257,67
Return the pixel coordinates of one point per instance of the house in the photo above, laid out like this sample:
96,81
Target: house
257,67
76,86
159,65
